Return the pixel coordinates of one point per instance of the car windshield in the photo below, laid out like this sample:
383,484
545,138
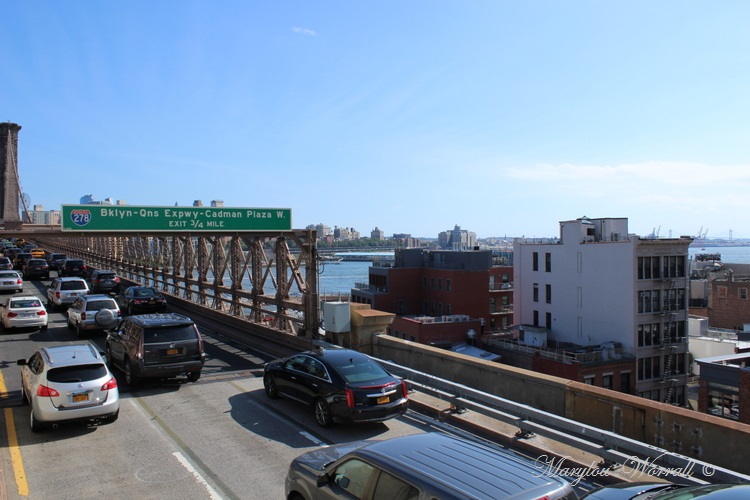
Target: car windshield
169,334
96,305
73,285
362,370
76,373
20,304
8,275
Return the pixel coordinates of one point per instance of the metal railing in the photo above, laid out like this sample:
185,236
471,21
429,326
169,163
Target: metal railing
615,450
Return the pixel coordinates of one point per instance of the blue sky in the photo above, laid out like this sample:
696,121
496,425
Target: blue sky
413,116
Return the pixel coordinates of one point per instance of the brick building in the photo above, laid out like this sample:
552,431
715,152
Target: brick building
475,283
729,300
724,388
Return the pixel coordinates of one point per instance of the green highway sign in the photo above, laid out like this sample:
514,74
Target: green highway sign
185,219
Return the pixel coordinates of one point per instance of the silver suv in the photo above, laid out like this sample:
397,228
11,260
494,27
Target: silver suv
93,312
62,292
66,383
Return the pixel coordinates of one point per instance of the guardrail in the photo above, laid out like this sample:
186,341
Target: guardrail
615,450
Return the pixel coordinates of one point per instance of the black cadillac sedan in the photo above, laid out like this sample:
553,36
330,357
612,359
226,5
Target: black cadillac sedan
342,385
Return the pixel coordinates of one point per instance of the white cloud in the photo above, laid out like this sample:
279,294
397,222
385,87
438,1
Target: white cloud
304,31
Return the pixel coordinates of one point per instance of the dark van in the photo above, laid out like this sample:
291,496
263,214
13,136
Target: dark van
417,467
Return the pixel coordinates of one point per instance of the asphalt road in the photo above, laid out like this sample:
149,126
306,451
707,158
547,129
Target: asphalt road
220,437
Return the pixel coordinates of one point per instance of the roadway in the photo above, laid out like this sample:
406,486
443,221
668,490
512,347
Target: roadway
218,438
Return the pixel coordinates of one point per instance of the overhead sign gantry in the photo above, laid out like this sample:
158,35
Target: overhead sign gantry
190,219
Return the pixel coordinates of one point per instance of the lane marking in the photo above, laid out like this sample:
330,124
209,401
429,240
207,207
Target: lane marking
211,492
176,440
15,451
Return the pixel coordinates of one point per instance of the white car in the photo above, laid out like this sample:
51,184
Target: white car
24,311
11,281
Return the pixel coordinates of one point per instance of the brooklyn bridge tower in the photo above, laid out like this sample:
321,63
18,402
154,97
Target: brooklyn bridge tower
10,183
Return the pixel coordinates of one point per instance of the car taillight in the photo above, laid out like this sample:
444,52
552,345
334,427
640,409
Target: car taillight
41,313
404,389
349,398
117,280
45,391
20,281
119,313
12,314
57,294
111,384
83,316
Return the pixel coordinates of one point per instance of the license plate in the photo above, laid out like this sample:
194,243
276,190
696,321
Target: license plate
80,398
172,352
27,315
8,282
73,295
384,400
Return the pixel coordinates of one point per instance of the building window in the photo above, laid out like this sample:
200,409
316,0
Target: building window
743,293
448,285
547,262
535,261
625,382
548,320
588,379
424,282
649,368
448,309
536,292
721,292
440,283
402,307
548,293
536,318
432,283
648,334
607,381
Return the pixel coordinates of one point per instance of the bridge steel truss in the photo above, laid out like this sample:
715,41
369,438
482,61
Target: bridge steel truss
268,279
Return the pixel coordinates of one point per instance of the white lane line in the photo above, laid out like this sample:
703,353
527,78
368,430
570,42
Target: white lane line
312,438
211,492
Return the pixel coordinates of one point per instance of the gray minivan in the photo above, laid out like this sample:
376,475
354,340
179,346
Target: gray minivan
419,467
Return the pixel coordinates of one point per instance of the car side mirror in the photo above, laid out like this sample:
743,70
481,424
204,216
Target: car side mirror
21,362
322,480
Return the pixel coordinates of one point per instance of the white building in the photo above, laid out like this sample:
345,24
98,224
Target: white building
598,284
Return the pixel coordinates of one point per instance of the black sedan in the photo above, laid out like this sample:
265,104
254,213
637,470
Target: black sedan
141,299
342,385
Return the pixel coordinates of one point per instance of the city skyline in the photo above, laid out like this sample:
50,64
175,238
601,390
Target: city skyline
499,117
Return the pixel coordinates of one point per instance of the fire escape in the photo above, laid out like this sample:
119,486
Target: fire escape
669,315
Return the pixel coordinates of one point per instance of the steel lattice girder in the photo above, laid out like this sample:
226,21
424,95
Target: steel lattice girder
256,276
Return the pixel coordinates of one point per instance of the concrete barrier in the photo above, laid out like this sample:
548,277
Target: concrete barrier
695,435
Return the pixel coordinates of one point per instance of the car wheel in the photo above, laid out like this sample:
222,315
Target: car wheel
269,383
108,356
193,376
130,377
44,327
323,413
79,331
70,324
36,425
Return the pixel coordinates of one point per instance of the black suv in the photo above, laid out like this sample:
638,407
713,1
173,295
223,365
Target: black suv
101,281
72,267
55,260
156,346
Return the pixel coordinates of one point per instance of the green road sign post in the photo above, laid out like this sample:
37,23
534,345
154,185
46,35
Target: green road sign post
179,219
